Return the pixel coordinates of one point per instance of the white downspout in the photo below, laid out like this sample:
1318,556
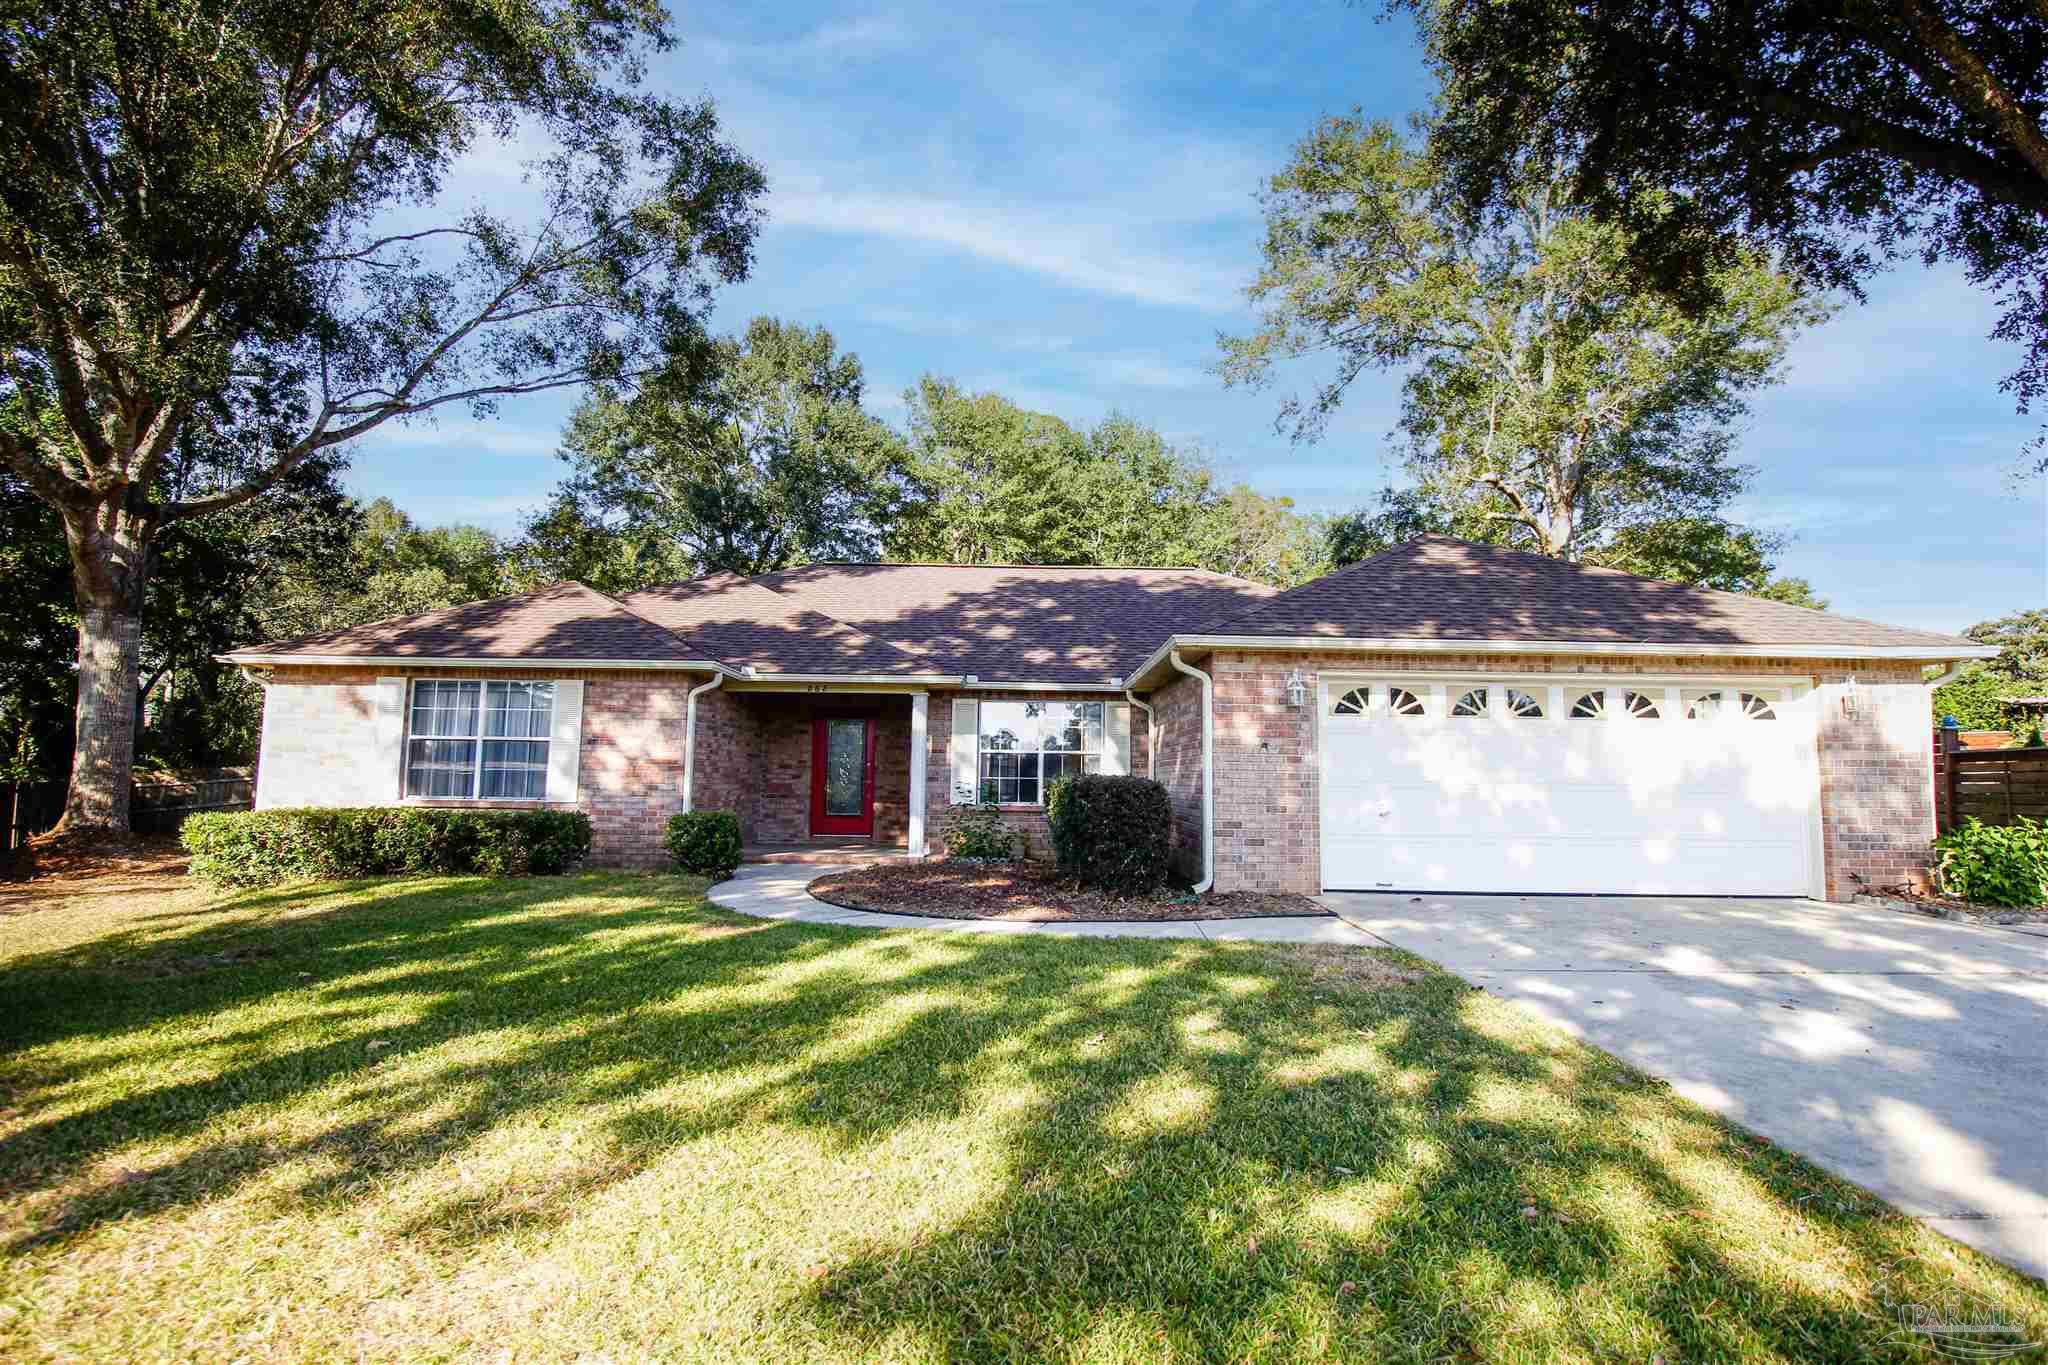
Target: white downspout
1955,671
1208,777
1151,734
690,738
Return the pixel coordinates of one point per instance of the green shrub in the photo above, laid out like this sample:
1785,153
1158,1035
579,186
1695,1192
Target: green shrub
978,831
1995,864
1979,700
259,848
1111,832
706,842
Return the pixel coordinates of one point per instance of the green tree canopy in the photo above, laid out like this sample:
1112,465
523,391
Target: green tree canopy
228,214
1548,403
1839,135
994,483
1981,698
749,455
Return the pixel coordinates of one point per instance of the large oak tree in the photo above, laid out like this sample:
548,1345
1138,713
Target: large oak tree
1550,400
231,210
1841,134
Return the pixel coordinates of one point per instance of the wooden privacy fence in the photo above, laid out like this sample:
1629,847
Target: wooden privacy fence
160,807
30,808
1994,785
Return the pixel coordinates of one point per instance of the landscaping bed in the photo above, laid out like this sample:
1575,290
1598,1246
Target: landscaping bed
1030,891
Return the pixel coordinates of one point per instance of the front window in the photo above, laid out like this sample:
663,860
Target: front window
479,740
1027,745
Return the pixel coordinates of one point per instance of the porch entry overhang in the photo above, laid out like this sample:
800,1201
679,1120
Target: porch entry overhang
838,761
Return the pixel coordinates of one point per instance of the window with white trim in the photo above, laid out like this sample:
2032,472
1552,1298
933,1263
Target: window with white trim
479,740
1026,745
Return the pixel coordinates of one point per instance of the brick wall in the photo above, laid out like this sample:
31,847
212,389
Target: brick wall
1266,792
1177,711
1876,783
632,775
1028,821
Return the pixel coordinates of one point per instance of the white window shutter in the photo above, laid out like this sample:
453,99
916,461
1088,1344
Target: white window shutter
391,732
964,746
1116,738
565,749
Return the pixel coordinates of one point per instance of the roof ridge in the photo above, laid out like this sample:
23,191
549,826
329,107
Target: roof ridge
1352,567
690,640
405,616
753,581
1745,597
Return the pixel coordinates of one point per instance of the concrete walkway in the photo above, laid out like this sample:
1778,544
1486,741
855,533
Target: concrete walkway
1907,1054
776,891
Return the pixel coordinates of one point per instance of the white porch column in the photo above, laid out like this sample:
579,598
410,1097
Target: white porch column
918,746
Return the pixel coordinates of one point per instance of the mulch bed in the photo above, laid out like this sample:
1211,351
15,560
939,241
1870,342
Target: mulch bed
1945,907
1029,891
54,867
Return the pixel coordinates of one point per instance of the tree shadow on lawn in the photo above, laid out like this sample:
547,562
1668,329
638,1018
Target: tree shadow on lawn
1206,1148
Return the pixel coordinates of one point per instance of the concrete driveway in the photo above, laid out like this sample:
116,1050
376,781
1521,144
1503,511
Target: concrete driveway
1909,1055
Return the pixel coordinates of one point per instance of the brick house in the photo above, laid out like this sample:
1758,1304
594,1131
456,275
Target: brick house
1445,716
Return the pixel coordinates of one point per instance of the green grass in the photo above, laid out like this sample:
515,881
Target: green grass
593,1116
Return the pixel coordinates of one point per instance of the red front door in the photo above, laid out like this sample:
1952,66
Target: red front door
842,775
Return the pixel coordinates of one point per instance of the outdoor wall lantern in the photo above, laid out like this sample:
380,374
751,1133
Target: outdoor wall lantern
1849,697
1297,689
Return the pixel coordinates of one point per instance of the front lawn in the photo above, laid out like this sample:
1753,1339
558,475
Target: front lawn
592,1117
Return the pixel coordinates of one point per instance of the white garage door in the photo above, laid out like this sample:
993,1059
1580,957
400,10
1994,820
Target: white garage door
1701,789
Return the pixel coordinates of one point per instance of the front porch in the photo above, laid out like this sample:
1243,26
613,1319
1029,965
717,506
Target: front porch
809,774
825,852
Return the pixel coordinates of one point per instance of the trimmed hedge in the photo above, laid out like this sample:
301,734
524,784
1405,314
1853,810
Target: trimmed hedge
259,848
706,842
1111,832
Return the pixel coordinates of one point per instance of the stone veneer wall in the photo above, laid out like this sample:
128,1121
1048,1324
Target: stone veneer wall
1028,821
1877,790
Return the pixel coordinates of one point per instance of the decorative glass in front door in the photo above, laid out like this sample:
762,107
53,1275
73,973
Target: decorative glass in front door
845,764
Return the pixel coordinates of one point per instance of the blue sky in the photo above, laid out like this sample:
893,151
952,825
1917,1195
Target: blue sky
1059,203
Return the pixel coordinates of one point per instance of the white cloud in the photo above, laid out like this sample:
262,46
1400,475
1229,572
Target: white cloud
1057,251
466,434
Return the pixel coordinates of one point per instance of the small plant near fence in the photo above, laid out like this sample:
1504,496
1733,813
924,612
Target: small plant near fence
706,842
978,833
1115,833
1995,864
262,848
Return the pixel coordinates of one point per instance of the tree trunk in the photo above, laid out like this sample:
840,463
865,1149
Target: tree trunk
109,562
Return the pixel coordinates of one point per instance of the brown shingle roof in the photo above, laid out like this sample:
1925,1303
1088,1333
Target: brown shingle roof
1015,623
1018,623
565,621
1438,588
745,623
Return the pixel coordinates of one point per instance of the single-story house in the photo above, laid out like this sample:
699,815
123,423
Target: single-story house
1445,716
